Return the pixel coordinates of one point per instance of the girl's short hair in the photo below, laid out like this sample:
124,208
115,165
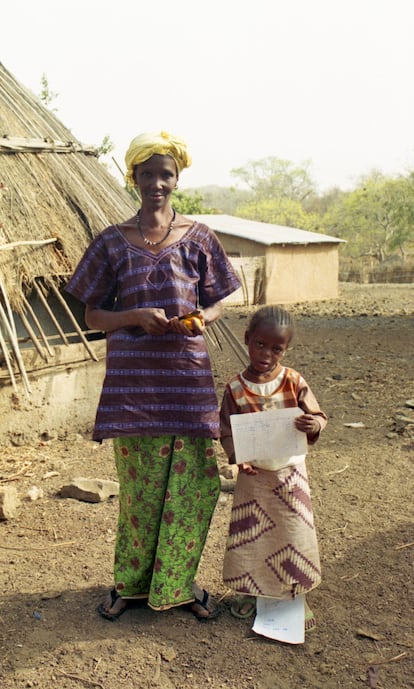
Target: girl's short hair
272,315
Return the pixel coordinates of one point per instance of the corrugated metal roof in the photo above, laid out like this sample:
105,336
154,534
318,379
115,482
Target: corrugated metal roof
262,232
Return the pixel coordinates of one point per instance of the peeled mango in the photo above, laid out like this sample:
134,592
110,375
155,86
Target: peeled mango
190,317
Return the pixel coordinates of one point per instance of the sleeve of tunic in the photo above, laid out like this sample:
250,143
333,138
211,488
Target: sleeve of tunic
94,279
218,278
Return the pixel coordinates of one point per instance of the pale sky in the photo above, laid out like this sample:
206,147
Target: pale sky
329,81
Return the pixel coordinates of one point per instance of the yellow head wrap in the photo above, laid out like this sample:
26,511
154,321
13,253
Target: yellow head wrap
146,145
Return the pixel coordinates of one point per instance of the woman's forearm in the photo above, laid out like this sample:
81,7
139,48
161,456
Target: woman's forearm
213,313
106,321
153,321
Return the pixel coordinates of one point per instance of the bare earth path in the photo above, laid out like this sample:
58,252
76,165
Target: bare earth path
357,353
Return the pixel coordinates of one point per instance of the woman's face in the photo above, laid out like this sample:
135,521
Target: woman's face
156,178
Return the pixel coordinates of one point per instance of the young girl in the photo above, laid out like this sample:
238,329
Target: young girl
272,550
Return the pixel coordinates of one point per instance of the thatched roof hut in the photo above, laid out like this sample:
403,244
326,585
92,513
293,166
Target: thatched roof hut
55,197
52,187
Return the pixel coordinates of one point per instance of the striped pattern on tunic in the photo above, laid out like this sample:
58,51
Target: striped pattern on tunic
286,390
155,385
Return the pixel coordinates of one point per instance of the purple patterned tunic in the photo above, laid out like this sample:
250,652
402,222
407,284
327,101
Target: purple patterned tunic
155,385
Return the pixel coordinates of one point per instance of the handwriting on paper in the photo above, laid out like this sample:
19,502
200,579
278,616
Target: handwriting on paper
268,436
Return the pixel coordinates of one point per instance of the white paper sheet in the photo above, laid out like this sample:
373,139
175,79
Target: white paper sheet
282,620
268,439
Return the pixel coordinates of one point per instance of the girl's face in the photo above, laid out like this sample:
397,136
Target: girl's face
156,178
267,345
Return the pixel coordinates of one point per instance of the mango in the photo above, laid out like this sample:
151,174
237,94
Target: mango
189,317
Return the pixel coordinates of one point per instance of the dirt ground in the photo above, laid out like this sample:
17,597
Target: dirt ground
357,353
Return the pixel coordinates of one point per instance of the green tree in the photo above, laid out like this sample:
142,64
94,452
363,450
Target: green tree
282,211
222,199
272,177
377,218
104,149
46,95
106,146
399,202
189,204
321,203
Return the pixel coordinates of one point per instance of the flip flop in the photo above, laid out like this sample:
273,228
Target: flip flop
240,602
204,603
112,616
310,622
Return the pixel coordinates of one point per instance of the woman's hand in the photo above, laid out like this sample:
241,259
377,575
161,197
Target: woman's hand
308,424
191,326
153,321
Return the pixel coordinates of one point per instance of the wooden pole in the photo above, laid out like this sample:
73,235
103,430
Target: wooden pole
211,335
134,191
232,340
5,351
244,286
75,323
8,306
32,336
38,325
10,326
15,345
50,312
38,242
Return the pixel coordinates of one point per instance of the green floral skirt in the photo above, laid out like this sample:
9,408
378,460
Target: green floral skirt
168,487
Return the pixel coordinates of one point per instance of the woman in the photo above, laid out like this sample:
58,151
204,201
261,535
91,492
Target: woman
138,279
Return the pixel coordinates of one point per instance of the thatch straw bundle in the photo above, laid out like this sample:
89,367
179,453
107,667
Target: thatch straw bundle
51,188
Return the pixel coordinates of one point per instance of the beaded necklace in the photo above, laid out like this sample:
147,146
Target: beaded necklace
147,241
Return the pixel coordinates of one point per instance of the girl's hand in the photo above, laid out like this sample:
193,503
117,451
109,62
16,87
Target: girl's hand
308,424
246,468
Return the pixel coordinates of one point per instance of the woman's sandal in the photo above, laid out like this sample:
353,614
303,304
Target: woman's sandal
243,607
114,598
205,604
